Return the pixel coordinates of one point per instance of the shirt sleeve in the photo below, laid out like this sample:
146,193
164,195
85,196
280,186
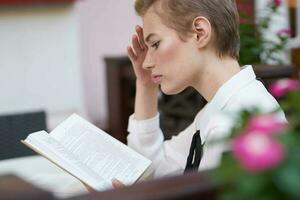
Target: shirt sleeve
168,157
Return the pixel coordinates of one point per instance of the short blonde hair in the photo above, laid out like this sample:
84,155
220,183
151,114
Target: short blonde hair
179,15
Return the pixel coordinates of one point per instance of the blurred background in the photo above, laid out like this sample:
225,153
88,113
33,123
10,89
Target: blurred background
59,57
52,55
65,56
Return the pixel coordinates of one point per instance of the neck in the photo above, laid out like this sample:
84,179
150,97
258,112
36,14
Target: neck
215,73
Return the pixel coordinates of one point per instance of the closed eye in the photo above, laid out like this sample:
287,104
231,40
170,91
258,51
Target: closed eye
155,45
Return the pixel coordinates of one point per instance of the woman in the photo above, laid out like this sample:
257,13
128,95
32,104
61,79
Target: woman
189,43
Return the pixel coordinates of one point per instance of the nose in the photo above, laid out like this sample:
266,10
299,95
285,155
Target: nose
148,62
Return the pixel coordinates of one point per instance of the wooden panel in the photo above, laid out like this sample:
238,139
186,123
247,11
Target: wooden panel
270,73
191,186
292,3
120,93
296,61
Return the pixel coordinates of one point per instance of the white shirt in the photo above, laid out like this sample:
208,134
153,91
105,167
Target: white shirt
214,121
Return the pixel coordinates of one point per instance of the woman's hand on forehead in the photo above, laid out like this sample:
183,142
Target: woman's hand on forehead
137,54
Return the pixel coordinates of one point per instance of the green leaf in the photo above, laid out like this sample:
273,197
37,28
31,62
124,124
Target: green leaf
287,178
251,184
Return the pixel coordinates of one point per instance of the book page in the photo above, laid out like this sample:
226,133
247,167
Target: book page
47,146
108,157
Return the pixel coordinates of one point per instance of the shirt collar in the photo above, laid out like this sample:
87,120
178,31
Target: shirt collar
222,96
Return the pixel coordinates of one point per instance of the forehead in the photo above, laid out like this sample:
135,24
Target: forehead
151,19
152,23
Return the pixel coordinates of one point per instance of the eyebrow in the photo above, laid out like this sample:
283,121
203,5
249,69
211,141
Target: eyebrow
149,36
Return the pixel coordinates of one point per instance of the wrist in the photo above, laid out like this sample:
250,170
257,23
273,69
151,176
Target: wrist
146,101
146,86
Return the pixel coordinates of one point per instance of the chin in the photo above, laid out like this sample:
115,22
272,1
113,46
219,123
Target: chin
170,90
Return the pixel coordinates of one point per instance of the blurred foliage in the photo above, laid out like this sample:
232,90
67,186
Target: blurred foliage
255,48
279,182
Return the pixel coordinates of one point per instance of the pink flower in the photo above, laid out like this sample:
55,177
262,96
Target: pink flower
257,152
280,88
267,124
285,32
277,2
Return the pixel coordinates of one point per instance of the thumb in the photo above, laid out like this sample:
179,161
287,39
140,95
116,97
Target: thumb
117,184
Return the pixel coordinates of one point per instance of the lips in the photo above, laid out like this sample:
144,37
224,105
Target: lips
156,78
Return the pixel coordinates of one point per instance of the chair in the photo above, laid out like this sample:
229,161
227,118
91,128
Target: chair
15,127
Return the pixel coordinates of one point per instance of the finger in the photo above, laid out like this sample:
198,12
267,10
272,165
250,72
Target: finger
136,45
131,54
117,184
139,31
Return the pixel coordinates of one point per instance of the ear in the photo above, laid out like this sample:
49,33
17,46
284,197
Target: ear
202,31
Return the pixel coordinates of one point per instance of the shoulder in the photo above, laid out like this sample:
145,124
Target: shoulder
254,95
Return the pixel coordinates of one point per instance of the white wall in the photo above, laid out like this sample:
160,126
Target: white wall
51,57
39,60
106,29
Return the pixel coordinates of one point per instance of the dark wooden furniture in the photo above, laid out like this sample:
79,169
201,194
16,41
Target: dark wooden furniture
120,87
191,186
271,73
296,61
177,111
14,188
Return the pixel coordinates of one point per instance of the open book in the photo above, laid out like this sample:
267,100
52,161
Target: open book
88,153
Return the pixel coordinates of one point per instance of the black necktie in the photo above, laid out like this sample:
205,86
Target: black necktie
195,155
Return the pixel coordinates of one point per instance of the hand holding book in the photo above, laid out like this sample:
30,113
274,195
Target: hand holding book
89,154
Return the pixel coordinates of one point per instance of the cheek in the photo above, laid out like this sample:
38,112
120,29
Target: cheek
176,60
169,53
172,61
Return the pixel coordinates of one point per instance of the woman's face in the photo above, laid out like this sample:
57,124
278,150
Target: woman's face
174,63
